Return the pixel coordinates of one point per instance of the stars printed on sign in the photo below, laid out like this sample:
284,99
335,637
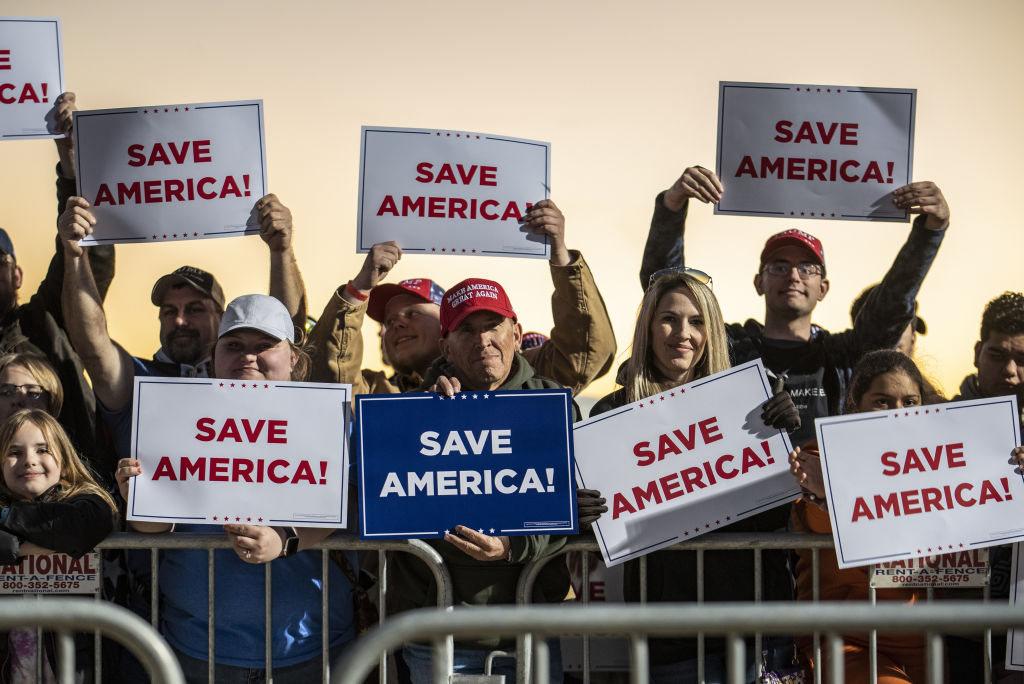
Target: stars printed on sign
446,531
492,530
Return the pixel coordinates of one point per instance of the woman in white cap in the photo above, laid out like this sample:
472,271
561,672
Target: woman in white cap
256,341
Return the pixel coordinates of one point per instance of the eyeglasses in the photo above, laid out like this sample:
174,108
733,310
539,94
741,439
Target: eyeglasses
780,268
698,275
33,392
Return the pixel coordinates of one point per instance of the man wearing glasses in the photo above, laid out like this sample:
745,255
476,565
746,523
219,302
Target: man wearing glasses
815,364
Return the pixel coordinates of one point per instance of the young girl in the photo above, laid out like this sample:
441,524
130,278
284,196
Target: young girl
882,380
48,503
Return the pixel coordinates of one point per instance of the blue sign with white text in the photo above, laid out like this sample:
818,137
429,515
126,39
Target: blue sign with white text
498,462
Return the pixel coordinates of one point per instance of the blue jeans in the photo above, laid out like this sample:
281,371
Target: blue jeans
301,673
471,661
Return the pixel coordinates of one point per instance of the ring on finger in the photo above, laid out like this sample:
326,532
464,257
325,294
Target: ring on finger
248,554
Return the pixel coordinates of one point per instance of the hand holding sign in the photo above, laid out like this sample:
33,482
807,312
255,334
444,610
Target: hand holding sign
696,182
478,545
924,198
74,224
275,223
255,543
64,106
545,219
1017,459
806,468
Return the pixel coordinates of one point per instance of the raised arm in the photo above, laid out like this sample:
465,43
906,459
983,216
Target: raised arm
337,338
109,366
47,297
664,248
890,308
285,278
582,344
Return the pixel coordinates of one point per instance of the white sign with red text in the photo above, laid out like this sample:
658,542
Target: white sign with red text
215,451
450,192
173,172
923,480
52,573
690,460
31,76
820,152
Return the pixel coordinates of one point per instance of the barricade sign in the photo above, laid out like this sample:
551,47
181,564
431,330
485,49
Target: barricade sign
922,481
448,192
173,172
498,462
966,569
690,460
820,152
52,573
215,451
31,76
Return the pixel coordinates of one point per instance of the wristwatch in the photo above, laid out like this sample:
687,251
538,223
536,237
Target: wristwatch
291,542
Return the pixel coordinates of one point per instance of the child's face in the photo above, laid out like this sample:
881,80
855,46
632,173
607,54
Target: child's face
29,466
891,390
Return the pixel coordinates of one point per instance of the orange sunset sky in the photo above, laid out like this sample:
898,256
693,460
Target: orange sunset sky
625,92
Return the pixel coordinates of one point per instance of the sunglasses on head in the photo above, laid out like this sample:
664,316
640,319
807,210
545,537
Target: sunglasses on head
698,275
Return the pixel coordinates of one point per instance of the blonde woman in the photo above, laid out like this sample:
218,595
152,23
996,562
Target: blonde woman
680,337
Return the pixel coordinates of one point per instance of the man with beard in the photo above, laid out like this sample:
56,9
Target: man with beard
37,326
581,347
190,300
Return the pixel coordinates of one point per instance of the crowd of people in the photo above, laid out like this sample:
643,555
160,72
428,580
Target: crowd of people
65,442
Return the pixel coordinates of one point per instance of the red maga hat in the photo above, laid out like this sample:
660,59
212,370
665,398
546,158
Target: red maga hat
470,296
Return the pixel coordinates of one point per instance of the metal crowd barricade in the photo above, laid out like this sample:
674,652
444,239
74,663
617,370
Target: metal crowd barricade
716,541
68,615
343,541
730,620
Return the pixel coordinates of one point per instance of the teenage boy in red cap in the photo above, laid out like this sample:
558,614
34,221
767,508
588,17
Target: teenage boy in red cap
480,339
815,364
581,347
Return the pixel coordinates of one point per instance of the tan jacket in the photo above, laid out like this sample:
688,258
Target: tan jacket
581,348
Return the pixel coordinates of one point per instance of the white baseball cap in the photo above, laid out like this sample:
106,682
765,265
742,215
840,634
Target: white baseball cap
259,312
